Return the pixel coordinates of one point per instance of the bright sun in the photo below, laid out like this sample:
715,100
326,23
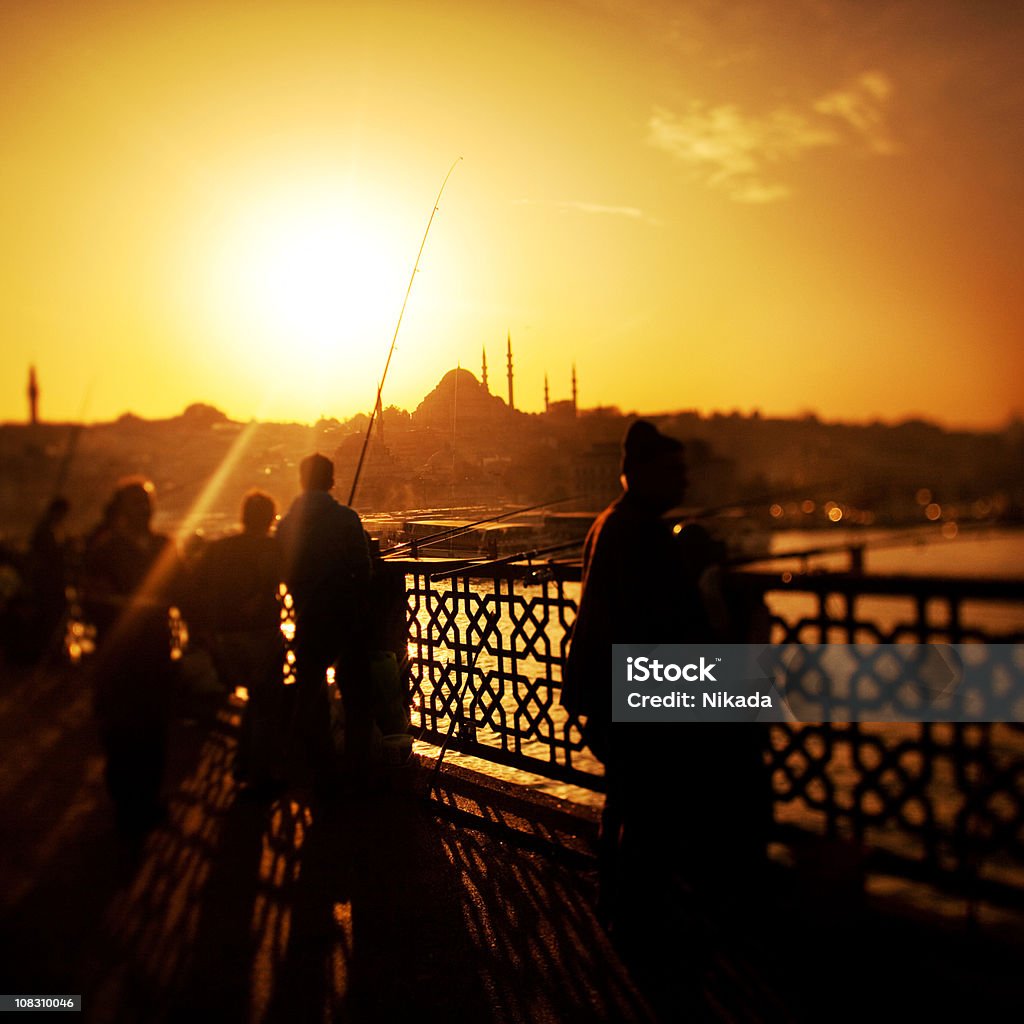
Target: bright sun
317,279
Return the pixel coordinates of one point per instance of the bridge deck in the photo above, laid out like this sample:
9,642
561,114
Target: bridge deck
475,905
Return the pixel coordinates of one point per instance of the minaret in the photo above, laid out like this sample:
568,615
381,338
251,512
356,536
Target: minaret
574,389
455,413
483,375
546,402
33,396
511,403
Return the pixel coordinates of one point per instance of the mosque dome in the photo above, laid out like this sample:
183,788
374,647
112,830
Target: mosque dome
458,393
458,378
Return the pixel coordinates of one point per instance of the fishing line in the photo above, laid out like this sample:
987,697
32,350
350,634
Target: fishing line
394,338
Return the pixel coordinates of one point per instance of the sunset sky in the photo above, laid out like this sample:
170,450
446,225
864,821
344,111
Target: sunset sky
788,205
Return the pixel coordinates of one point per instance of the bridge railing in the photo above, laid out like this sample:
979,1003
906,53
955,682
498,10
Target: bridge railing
941,802
486,654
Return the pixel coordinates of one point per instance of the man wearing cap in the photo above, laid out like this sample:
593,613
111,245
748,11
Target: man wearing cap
327,570
636,589
633,575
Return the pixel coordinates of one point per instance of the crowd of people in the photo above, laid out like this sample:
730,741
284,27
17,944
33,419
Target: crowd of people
132,581
641,581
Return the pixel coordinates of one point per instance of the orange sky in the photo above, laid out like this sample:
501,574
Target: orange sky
784,206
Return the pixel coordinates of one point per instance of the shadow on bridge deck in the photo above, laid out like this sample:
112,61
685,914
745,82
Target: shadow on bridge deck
476,905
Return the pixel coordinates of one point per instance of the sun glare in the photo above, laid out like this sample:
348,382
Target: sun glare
316,280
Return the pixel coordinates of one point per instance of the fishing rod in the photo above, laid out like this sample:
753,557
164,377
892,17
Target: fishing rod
916,535
71,448
689,515
519,556
454,532
394,338
471,567
458,531
750,503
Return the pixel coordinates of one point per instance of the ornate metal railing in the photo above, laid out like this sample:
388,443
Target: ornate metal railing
940,802
486,654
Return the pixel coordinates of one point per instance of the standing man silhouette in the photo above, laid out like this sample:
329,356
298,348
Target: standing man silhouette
327,570
684,807
237,584
132,577
634,591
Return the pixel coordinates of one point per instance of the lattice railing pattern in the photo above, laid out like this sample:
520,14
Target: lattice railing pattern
486,659
945,801
942,800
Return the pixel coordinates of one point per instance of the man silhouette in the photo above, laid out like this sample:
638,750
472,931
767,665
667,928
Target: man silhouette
327,570
684,800
237,584
132,577
633,592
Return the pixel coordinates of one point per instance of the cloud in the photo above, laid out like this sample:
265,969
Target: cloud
861,104
742,154
577,206
758,192
729,150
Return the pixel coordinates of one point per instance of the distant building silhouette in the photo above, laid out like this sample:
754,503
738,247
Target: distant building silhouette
511,402
565,409
477,408
483,373
33,397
